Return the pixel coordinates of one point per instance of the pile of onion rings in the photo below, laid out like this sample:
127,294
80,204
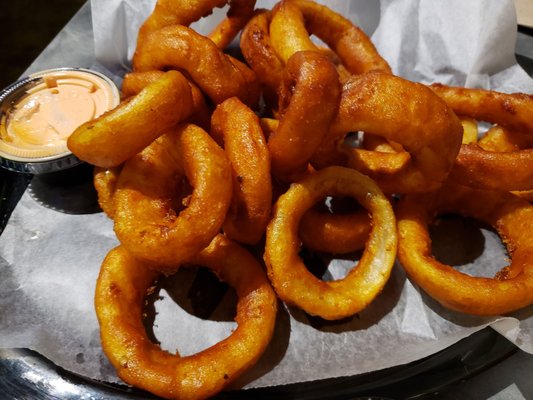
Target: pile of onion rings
192,176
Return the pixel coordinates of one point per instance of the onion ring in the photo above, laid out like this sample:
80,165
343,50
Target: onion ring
117,135
134,82
501,139
498,138
269,126
176,12
480,168
510,290
146,221
470,130
293,21
293,282
327,232
172,12
287,31
383,157
239,13
220,76
509,110
120,292
507,171
309,99
105,182
258,52
237,129
403,112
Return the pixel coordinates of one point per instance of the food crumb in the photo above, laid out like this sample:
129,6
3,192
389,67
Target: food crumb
50,81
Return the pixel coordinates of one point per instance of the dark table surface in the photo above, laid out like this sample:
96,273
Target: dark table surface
26,27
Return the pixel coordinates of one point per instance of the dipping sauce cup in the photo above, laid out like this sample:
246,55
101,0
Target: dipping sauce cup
38,114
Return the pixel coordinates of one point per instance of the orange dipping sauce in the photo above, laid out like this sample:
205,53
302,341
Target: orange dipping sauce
39,122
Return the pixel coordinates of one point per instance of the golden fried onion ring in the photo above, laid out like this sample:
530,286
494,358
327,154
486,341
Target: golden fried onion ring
402,112
239,13
293,21
384,157
117,135
293,282
237,129
120,291
480,168
308,101
176,12
105,183
134,82
470,130
146,221
185,12
381,156
509,110
328,232
257,49
500,139
287,31
510,290
220,76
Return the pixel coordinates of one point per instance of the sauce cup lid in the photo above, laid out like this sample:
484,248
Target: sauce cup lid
40,111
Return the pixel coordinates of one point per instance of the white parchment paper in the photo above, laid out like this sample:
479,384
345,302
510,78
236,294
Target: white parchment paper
51,250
